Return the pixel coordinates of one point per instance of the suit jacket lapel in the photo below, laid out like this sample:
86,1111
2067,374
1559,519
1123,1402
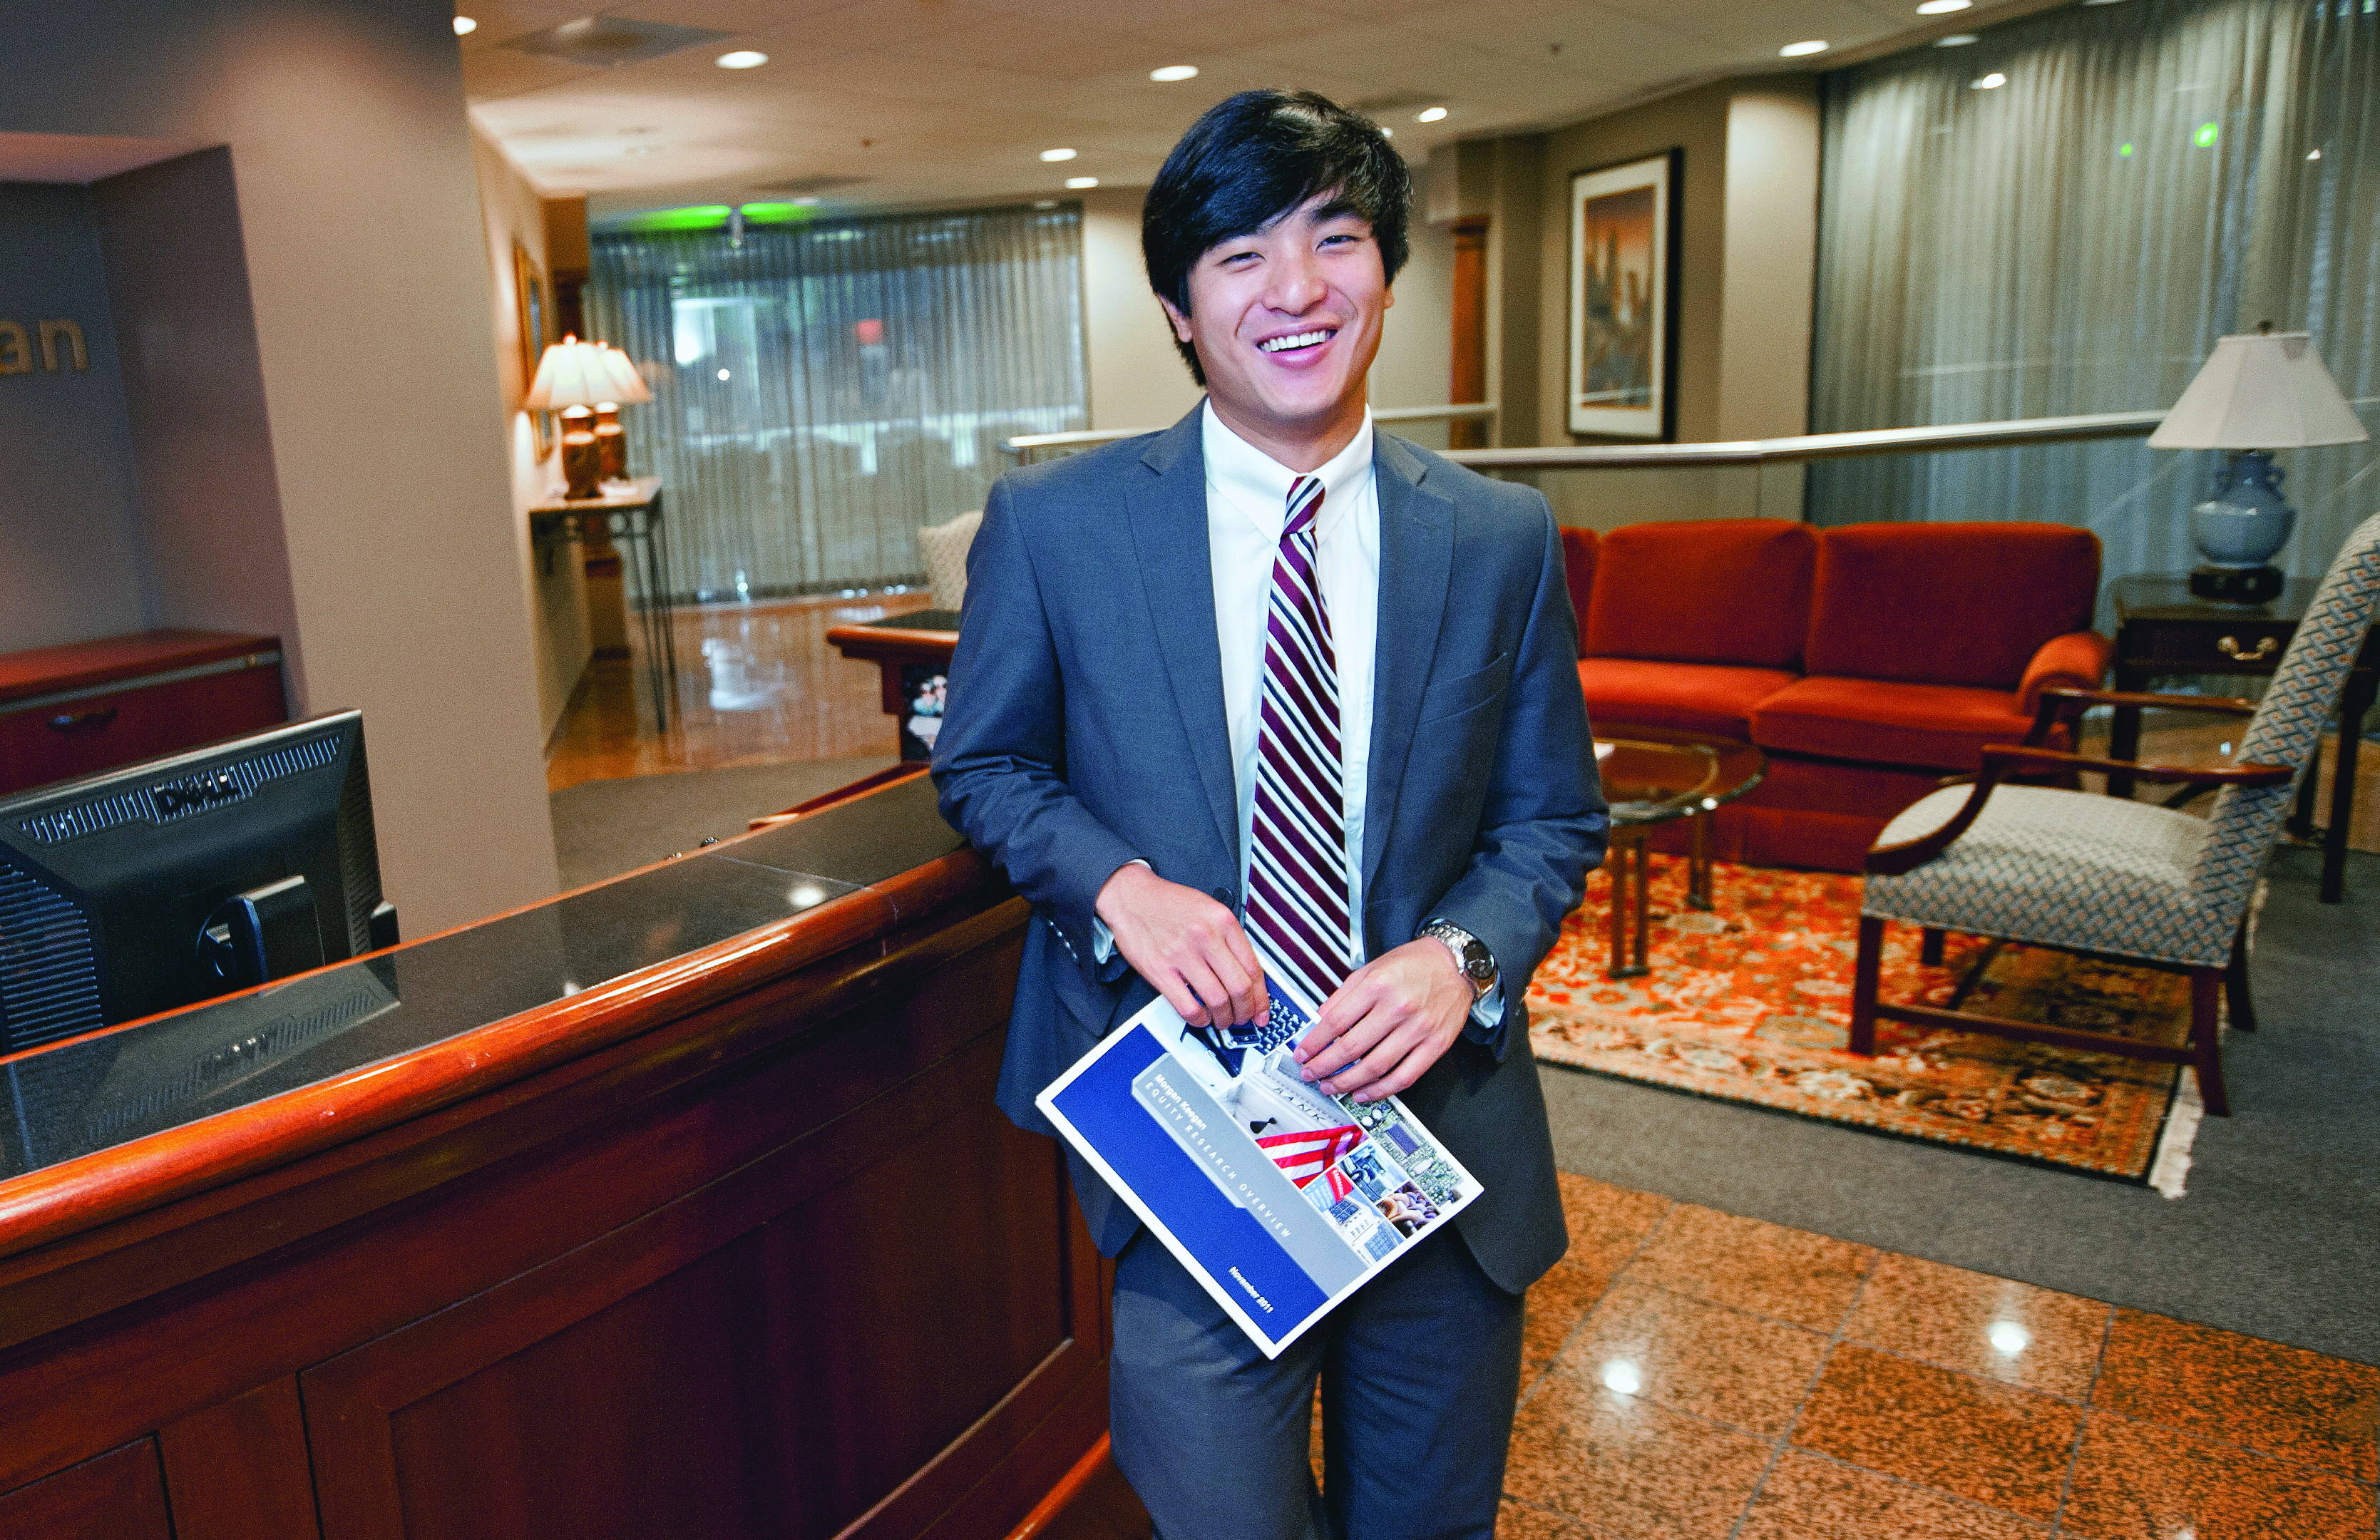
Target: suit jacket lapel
1417,570
1166,511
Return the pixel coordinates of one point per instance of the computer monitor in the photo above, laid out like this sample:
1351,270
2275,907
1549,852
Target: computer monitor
157,885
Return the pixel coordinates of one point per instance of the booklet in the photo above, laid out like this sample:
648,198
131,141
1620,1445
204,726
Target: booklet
1281,1198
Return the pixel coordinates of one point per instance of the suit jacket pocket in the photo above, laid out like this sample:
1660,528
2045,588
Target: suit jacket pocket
1446,697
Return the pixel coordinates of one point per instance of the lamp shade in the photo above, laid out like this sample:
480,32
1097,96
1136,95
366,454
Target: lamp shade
2262,391
572,373
628,387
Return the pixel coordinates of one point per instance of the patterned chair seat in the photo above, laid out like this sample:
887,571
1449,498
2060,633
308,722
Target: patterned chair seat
2061,869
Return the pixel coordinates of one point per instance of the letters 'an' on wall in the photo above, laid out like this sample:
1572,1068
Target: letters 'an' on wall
52,346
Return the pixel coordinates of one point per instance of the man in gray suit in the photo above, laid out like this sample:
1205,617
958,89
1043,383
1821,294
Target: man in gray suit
1267,694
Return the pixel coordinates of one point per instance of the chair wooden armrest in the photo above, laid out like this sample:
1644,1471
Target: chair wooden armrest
2009,758
2001,760
2063,703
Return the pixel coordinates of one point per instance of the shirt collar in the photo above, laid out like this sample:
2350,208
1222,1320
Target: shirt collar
1257,485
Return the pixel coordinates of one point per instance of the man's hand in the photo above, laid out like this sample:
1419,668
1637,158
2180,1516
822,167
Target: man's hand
1393,1018
1188,945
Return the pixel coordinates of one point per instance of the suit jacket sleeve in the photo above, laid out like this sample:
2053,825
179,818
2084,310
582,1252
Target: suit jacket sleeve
1000,762
1545,824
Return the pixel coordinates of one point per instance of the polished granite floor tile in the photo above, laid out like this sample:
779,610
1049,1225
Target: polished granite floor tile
2281,1401
1556,1304
1766,1269
1807,1498
1993,1444
1608,1224
1993,1327
1627,1470
2135,1481
1745,1371
758,684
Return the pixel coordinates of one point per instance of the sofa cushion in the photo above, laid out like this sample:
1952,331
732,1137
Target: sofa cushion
1886,722
1692,698
1720,590
1947,603
1578,569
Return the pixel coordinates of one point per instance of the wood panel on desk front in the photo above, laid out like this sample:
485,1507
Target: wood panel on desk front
773,1266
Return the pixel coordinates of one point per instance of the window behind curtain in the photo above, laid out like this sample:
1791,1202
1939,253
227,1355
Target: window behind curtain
2076,239
821,391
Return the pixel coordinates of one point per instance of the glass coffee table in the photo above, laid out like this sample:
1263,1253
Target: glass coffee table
1653,777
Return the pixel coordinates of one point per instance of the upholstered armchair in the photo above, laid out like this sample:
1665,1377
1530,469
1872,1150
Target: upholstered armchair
2130,880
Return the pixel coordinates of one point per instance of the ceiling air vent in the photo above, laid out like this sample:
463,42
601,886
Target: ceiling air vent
609,40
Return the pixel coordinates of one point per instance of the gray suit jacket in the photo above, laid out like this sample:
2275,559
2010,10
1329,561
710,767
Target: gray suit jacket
1086,729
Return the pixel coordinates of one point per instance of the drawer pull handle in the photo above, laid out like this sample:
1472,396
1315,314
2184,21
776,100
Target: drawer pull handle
2230,647
82,721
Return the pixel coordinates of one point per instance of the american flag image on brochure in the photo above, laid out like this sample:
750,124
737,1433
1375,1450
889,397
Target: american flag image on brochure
1281,1198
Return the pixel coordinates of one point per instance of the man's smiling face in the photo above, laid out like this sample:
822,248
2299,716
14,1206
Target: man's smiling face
1286,321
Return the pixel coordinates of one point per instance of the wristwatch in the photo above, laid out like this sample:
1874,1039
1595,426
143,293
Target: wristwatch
1471,954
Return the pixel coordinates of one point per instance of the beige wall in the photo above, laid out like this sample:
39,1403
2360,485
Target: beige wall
379,451
1747,254
553,579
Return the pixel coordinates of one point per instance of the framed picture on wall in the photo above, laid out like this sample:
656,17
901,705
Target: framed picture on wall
1624,298
536,316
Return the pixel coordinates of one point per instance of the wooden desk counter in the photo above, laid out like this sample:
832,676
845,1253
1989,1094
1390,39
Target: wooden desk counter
675,1207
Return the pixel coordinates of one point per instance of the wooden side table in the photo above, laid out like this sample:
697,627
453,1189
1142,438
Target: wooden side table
910,651
629,512
90,706
2162,629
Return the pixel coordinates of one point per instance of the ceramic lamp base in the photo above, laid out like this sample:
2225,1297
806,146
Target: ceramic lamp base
2236,585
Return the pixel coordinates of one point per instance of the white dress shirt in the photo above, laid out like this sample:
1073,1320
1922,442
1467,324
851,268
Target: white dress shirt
1247,506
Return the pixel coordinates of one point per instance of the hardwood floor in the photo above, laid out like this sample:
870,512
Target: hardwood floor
758,684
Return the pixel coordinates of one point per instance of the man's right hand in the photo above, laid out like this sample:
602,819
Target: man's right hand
1189,946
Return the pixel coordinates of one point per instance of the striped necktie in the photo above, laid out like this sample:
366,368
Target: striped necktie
1297,867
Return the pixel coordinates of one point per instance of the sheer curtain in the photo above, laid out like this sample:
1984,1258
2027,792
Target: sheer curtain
822,389
2151,175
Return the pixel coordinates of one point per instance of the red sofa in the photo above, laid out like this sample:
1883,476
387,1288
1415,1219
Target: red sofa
1869,660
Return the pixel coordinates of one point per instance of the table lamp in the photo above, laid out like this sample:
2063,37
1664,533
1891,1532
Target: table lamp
629,389
2254,395
573,379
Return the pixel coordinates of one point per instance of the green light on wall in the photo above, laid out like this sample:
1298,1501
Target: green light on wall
2125,150
2206,135
778,214
710,216
699,216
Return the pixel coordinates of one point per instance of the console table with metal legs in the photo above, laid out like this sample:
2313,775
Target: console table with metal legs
627,514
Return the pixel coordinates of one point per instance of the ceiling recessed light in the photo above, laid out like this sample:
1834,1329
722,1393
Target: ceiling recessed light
1989,83
743,58
1057,154
1079,183
1175,72
463,26
1796,49
1430,115
1942,7
1957,39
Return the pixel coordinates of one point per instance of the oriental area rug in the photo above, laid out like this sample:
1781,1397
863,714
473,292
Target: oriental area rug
1751,1001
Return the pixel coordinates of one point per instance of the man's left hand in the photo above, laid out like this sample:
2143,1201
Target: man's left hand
1393,1018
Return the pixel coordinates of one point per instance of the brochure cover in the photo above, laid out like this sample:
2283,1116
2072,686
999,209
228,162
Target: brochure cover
1280,1198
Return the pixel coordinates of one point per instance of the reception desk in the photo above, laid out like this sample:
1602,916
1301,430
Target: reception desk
675,1207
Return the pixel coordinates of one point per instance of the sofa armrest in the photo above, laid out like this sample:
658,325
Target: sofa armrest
2076,661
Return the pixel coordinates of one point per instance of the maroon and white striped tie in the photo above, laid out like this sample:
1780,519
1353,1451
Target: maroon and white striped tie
1297,867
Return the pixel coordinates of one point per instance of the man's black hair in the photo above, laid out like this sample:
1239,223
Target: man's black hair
1251,159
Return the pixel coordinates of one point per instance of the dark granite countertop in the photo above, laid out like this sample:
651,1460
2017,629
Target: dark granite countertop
115,1086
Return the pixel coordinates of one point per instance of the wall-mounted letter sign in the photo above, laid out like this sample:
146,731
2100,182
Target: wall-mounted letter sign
61,347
